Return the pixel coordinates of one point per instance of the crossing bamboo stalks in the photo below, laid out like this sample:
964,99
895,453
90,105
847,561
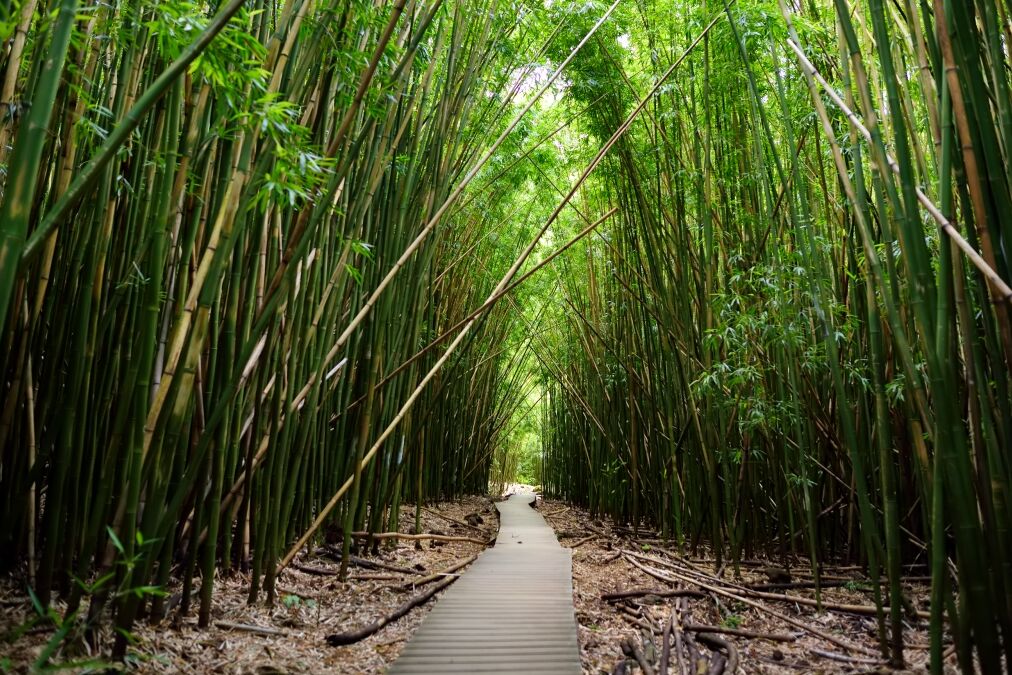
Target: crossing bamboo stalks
232,203
270,270
764,310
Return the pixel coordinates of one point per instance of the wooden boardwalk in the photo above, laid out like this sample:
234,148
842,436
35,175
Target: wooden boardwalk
511,612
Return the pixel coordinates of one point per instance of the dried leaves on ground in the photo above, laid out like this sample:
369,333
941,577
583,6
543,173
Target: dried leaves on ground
631,588
289,637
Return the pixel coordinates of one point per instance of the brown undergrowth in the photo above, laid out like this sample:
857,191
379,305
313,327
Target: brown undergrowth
289,637
617,633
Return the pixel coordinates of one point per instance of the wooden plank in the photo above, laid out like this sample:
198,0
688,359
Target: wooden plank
511,612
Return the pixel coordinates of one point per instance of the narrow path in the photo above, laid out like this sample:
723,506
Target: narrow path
512,612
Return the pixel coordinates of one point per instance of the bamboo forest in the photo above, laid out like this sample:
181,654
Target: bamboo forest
299,299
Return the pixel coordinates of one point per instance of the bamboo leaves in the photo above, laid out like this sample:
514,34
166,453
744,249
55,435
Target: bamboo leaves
804,315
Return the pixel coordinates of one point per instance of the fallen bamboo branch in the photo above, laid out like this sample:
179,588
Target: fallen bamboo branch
665,647
316,571
419,537
583,541
324,572
636,621
415,583
247,628
675,622
830,583
659,592
863,610
847,659
373,577
740,632
570,534
339,639
751,603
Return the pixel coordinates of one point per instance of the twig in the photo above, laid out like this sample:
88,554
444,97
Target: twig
676,627
246,628
847,659
638,622
373,564
583,541
636,611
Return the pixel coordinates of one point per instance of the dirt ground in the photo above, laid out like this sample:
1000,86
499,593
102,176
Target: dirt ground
313,603
607,563
309,608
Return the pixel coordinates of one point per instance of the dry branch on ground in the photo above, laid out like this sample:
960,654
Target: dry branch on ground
604,582
289,637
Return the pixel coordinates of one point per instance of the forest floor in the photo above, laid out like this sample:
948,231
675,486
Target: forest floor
614,631
291,636
313,603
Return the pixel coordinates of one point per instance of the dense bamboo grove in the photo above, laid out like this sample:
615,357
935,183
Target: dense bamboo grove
224,231
258,260
782,344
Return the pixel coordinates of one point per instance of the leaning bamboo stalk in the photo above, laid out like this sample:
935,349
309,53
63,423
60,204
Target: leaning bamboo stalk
452,198
407,405
502,284
492,300
1002,291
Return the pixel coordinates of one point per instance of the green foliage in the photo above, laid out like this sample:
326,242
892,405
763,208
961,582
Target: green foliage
232,64
731,621
225,282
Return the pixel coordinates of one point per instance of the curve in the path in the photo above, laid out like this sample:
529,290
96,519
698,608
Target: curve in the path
511,612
